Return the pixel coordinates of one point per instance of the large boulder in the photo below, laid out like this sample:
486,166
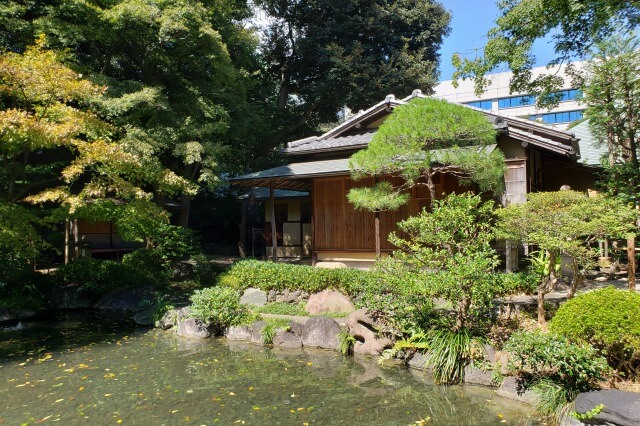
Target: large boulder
70,297
193,328
330,265
619,407
512,389
239,332
144,317
329,301
256,332
126,299
168,320
417,361
321,332
254,296
287,340
477,376
365,329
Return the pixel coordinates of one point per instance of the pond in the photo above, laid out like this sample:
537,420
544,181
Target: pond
79,369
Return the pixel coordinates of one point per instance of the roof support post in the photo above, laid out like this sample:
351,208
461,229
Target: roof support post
274,235
377,230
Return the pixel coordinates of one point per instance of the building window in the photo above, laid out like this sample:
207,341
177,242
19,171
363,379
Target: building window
486,105
569,95
557,117
516,101
305,213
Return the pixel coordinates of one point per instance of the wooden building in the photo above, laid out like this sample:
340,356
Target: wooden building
539,158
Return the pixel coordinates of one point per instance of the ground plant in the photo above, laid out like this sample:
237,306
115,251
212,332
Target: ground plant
220,306
557,369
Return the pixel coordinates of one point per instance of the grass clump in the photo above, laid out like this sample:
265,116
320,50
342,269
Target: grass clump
281,308
220,306
271,328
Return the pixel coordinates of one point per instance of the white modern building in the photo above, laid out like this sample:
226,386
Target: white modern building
497,98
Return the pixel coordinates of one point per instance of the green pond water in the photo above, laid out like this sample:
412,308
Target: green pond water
77,370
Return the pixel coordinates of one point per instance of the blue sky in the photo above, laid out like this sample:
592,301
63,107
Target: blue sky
470,21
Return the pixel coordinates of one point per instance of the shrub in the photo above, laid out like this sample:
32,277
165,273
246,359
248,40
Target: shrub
101,276
220,306
540,359
279,276
146,261
271,328
609,320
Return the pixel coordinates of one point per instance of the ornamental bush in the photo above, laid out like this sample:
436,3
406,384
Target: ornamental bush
101,276
609,320
279,276
555,368
220,306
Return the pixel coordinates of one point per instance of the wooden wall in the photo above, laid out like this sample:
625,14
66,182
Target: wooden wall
339,227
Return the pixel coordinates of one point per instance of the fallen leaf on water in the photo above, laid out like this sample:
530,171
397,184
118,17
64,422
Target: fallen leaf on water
174,411
232,394
309,363
58,400
107,395
81,388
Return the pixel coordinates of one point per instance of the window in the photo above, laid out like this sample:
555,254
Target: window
516,101
305,213
486,105
281,212
557,117
569,95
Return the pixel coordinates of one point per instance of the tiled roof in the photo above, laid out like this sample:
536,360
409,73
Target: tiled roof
317,144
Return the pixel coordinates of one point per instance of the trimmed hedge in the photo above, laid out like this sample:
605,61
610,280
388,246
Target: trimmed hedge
280,276
609,320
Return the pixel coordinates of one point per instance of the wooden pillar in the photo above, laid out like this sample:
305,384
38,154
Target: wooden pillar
76,240
377,230
67,241
511,256
631,255
314,256
274,235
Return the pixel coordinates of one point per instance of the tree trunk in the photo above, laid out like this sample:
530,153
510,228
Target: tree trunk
631,267
461,315
185,210
542,322
242,249
431,187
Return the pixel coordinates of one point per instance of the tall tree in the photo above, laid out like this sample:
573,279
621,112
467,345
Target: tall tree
610,82
575,25
324,54
178,75
418,140
47,130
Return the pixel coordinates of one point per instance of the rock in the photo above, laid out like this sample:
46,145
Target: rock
489,353
183,313
7,315
417,361
168,320
271,296
256,332
242,332
477,376
328,301
296,328
126,299
193,328
331,265
321,332
503,361
361,326
620,407
510,388
287,340
254,296
144,317
70,297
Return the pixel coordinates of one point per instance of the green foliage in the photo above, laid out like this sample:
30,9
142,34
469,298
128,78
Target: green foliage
160,306
564,222
621,181
24,289
280,276
418,140
281,308
550,397
271,328
575,27
609,320
366,52
345,347
448,354
611,88
447,254
20,242
100,277
589,414
146,261
220,306
539,359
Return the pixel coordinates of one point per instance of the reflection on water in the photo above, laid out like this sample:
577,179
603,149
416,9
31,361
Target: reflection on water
100,371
